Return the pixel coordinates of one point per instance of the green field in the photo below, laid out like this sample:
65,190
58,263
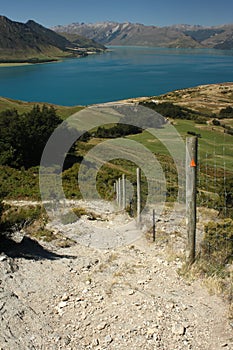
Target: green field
215,159
23,107
214,144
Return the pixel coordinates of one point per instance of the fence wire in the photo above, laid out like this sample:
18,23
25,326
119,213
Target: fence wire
215,192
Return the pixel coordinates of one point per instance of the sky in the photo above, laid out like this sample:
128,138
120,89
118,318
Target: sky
149,12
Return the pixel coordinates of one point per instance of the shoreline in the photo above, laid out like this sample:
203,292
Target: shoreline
43,61
14,64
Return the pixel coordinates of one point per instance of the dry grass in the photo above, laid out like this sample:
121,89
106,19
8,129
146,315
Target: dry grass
216,278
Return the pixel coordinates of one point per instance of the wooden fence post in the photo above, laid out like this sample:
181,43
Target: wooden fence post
123,192
138,195
116,190
191,193
153,225
119,193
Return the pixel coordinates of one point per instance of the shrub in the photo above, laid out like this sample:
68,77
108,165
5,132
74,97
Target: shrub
170,110
20,217
216,122
23,137
217,243
226,112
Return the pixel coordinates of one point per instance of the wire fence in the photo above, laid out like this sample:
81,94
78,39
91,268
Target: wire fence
215,192
214,197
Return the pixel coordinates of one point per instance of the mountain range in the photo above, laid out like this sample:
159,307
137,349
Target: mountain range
136,34
31,42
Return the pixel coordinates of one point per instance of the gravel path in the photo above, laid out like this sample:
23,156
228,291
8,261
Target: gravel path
130,297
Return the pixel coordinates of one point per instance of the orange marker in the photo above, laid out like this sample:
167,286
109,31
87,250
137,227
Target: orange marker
193,164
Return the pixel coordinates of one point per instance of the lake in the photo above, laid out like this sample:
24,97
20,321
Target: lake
123,72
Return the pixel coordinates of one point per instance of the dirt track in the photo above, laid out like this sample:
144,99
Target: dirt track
130,297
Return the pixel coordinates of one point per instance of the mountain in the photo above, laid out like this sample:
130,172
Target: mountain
24,42
83,42
183,35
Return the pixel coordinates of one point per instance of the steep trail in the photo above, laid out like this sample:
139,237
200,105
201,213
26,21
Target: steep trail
129,297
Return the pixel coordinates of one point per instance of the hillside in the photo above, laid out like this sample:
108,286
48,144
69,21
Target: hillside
24,107
204,99
112,33
59,289
21,42
83,42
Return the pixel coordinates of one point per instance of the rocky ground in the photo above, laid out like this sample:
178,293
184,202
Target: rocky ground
127,297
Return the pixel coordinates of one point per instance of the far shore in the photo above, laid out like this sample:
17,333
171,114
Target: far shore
14,64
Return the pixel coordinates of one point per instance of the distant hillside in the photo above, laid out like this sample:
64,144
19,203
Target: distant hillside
81,41
31,42
112,33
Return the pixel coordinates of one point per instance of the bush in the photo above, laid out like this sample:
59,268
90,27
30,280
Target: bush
226,112
20,217
216,122
217,243
118,130
23,137
74,214
170,110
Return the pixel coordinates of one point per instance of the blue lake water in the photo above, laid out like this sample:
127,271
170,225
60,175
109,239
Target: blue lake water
123,72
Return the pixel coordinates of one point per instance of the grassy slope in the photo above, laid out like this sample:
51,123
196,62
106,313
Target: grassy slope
206,99
23,106
213,140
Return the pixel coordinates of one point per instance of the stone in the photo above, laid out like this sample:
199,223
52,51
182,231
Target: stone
101,326
170,306
65,297
84,304
131,292
150,332
100,298
3,257
159,313
62,304
108,339
178,329
95,342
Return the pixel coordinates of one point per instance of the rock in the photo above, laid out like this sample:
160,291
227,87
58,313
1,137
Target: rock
131,292
95,342
79,299
62,304
65,297
178,329
85,291
84,304
99,298
159,313
170,306
101,326
151,332
3,258
108,339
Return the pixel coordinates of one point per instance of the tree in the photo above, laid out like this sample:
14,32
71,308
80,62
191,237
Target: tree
226,112
23,137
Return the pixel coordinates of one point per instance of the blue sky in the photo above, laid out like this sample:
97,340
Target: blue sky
161,13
